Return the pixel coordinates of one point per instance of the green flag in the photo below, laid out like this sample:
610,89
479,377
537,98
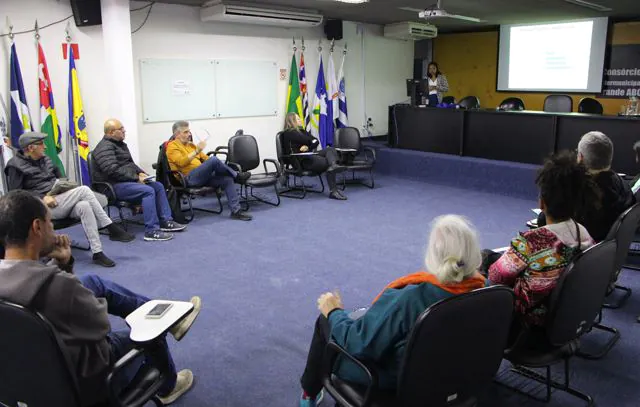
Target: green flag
49,119
294,100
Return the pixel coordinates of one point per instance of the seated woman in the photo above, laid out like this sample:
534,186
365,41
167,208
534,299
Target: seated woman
379,336
536,259
297,140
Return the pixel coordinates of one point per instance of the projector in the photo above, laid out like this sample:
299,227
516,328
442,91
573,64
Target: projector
430,13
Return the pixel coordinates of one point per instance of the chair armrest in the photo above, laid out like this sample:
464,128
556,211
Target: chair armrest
235,166
154,166
370,152
177,175
106,189
219,151
333,350
272,161
136,395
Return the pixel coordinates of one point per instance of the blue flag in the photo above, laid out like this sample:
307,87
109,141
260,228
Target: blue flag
20,117
325,125
77,122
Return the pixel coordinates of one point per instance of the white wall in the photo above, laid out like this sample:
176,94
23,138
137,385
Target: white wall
174,31
22,14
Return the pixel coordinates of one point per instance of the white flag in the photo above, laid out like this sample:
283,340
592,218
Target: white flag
7,152
332,89
342,97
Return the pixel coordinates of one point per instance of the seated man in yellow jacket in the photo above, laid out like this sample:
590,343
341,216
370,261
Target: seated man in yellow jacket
201,170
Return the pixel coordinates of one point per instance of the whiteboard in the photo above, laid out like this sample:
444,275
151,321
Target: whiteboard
177,89
246,88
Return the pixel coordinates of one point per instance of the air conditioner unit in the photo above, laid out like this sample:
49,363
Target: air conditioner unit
232,12
410,31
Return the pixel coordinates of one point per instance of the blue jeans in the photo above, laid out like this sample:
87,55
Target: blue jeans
433,100
155,206
215,173
121,302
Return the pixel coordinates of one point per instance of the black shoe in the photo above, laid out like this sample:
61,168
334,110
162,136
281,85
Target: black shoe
157,235
172,226
101,259
118,234
337,195
242,177
239,215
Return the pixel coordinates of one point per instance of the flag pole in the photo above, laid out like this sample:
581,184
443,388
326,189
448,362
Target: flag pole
72,140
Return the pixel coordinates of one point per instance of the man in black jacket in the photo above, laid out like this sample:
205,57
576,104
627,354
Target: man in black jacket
595,151
32,171
113,163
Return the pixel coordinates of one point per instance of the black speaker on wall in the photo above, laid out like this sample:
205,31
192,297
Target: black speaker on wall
333,29
86,12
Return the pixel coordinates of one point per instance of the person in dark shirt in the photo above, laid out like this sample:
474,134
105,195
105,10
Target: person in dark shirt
595,152
297,140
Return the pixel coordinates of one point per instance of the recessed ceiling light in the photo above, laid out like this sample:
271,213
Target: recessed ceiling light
353,1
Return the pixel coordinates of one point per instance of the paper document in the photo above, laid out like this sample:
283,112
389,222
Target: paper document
537,211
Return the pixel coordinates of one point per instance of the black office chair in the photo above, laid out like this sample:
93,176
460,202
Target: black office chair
362,159
558,104
291,167
35,370
243,155
573,308
511,104
174,180
448,99
429,376
622,232
470,102
590,105
106,189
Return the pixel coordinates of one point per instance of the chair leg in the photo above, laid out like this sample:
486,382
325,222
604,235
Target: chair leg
300,191
192,214
123,220
258,198
619,301
215,211
80,246
548,382
606,348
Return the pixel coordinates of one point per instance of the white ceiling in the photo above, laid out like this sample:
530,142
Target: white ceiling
493,12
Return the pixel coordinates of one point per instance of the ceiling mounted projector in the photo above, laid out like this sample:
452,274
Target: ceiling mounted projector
436,11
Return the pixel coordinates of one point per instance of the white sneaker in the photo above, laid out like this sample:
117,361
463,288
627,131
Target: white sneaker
180,330
183,384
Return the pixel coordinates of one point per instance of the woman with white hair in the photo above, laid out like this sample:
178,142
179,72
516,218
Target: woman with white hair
380,334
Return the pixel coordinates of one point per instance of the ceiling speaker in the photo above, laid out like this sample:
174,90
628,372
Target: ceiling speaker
86,12
333,29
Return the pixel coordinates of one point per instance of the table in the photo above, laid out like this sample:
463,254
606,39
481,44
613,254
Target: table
526,136
146,329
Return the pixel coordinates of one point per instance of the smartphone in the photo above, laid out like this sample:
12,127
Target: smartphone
159,310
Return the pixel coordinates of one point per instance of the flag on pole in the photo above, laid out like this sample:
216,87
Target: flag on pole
48,116
5,137
332,92
77,122
342,97
294,102
324,128
304,93
20,116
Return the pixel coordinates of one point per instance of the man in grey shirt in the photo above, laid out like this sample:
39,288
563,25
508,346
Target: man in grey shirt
76,307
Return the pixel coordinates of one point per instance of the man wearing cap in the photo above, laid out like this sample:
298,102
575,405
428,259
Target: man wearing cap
33,171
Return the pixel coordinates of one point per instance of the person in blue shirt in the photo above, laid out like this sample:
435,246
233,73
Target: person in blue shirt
379,336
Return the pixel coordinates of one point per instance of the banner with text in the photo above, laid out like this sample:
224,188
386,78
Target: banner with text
622,75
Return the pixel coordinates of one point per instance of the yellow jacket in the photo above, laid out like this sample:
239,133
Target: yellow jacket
178,155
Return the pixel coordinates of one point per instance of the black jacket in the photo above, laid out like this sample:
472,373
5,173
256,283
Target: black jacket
112,162
616,198
293,139
35,176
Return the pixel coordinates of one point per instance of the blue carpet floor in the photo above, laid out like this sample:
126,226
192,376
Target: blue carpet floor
260,280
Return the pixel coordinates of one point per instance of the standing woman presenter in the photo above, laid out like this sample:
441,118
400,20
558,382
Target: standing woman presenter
437,84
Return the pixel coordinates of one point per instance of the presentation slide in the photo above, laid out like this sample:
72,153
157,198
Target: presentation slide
564,56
